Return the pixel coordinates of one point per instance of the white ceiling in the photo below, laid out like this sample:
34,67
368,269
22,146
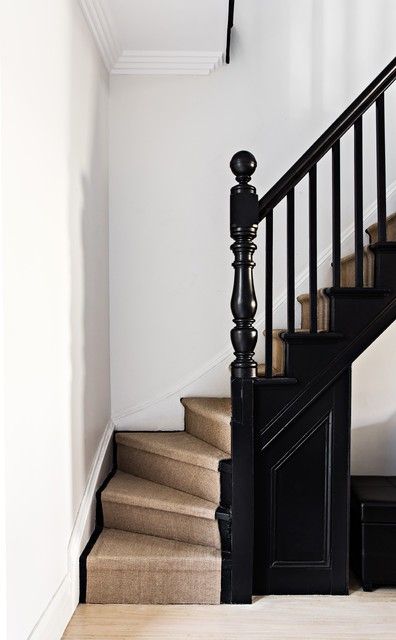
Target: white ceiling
159,36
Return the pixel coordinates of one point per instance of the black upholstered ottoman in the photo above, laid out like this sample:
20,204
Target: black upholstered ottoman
373,530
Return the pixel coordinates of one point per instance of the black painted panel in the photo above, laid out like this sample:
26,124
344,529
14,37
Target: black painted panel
292,490
302,499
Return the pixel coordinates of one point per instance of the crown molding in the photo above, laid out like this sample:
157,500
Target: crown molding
128,62
167,62
108,45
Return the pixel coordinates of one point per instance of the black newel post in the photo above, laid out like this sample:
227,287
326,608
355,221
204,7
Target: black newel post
244,222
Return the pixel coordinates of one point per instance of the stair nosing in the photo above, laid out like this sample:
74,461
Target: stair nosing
138,447
97,558
117,499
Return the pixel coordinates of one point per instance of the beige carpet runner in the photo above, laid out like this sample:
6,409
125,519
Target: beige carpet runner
160,543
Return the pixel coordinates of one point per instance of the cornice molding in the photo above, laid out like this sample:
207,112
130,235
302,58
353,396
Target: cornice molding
127,62
167,62
105,38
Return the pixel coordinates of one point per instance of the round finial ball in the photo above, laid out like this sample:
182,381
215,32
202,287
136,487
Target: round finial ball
243,164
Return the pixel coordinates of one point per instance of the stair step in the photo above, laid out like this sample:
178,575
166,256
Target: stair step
278,352
324,303
141,506
323,316
209,419
357,292
348,269
175,459
131,568
372,230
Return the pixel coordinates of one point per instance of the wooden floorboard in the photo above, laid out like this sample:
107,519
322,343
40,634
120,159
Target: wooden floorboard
359,616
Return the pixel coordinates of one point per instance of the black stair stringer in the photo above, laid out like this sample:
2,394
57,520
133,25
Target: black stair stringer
224,518
277,408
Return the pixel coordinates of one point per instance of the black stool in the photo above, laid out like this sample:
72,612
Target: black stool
373,530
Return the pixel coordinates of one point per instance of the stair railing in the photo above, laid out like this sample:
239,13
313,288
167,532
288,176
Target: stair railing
247,211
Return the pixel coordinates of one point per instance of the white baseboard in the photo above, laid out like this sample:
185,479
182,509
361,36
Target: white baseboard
57,614
59,610
164,412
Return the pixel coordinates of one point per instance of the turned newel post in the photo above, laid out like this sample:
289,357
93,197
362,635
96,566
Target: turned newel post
244,222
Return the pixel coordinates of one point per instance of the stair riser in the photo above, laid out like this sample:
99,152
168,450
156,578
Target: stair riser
323,313
278,353
351,316
210,431
348,271
163,524
198,481
159,587
385,272
304,360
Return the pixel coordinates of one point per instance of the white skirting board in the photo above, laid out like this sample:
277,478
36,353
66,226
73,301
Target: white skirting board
59,610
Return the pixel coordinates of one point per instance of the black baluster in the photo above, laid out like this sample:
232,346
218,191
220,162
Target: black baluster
358,162
381,168
313,260
269,268
291,292
244,222
336,210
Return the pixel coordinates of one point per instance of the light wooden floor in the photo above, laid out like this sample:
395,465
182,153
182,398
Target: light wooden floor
359,616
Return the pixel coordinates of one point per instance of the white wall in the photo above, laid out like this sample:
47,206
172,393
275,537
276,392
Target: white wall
294,67
3,563
55,207
374,408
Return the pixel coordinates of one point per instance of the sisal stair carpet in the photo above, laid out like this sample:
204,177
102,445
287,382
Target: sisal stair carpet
161,541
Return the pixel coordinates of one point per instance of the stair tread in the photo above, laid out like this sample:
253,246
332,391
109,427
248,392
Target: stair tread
326,291
177,445
261,370
297,330
127,489
305,296
373,227
218,408
351,256
123,550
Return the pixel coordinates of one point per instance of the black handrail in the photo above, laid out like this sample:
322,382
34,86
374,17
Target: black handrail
324,143
230,24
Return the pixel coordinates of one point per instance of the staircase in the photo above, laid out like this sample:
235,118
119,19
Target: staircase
163,526
175,524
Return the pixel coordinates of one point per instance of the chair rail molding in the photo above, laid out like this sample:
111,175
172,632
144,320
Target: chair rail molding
104,19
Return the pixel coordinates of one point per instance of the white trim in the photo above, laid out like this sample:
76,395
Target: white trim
122,418
59,610
167,62
57,614
128,62
105,38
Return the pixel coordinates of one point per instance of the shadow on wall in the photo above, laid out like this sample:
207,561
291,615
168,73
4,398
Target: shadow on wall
88,230
373,448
